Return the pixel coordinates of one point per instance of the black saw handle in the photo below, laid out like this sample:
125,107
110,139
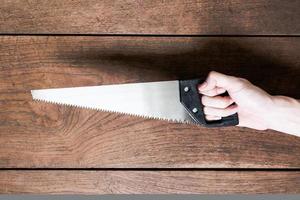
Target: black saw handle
191,100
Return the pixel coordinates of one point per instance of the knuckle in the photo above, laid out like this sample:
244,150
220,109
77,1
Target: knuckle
212,73
227,101
224,112
210,93
243,81
240,82
222,102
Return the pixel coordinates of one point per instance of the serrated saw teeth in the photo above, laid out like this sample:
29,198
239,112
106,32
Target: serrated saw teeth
112,111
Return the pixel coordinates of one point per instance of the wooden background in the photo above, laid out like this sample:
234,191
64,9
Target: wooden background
55,149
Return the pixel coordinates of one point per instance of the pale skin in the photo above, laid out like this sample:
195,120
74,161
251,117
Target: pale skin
256,108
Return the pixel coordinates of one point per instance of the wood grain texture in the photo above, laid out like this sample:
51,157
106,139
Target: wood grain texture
34,134
150,17
149,182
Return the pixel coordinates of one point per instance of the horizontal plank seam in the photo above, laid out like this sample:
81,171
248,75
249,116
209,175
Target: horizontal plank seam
151,169
149,35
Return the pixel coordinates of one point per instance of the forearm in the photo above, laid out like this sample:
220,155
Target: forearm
285,115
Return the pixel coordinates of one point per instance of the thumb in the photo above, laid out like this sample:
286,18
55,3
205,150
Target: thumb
217,80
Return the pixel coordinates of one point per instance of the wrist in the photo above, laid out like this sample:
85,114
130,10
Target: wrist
284,115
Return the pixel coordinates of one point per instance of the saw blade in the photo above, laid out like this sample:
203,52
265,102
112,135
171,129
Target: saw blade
157,100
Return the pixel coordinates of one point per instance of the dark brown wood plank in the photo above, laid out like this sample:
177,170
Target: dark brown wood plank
150,17
34,134
149,182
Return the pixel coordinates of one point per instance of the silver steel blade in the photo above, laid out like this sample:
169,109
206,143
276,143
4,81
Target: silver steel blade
159,100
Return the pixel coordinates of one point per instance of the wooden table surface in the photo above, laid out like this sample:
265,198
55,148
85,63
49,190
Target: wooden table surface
47,148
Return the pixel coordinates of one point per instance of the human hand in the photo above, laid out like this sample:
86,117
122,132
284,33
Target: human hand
256,108
251,103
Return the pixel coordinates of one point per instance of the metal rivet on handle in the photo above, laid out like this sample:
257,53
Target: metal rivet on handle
195,110
186,89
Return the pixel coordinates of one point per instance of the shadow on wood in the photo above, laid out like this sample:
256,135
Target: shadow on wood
227,55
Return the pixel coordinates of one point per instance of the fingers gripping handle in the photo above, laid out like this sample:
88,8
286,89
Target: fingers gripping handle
191,100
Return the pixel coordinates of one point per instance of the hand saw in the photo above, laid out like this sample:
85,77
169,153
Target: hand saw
177,101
